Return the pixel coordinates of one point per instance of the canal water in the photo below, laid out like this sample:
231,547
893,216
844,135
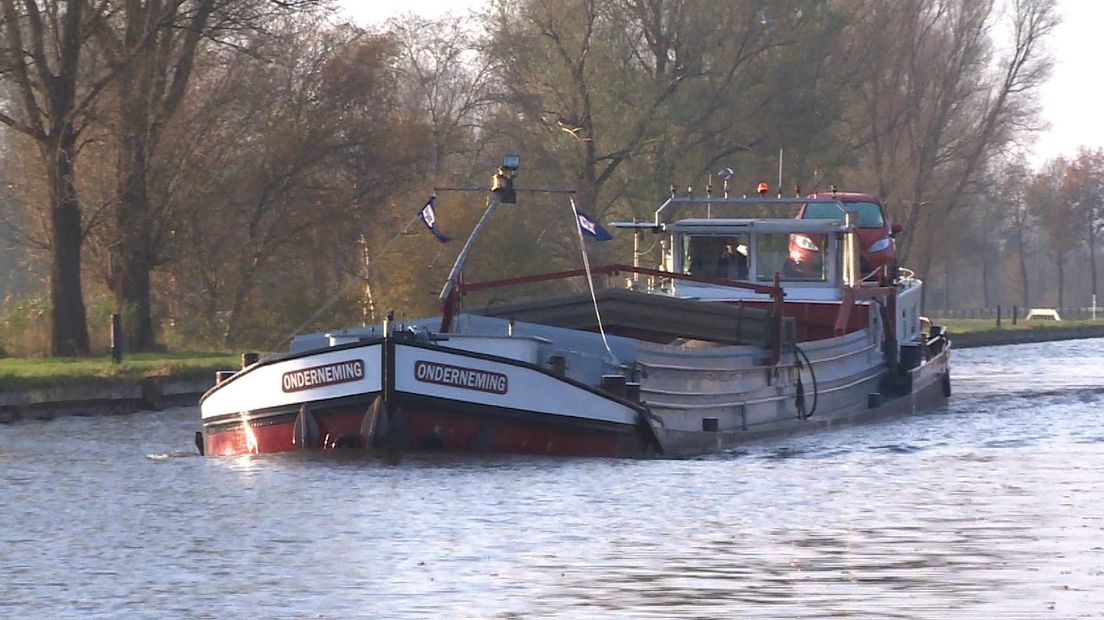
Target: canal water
993,507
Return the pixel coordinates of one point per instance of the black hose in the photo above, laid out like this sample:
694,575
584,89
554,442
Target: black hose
812,373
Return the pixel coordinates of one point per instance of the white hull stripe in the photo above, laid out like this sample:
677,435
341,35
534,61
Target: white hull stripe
508,385
433,372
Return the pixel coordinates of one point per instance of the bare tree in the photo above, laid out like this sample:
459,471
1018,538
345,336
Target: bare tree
657,85
291,136
445,78
1020,223
933,109
155,45
1083,188
43,47
1046,197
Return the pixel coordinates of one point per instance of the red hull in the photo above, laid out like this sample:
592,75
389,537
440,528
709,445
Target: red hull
449,431
278,435
425,428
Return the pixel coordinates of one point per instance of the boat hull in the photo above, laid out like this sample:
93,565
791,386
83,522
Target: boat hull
428,398
276,432
432,397
928,391
429,426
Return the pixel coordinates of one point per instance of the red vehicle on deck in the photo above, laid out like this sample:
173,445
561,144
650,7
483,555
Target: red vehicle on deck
876,233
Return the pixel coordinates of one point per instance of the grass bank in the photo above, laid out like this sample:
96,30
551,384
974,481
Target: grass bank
35,373
985,332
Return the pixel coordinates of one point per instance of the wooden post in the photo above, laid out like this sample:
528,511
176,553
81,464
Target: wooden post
117,338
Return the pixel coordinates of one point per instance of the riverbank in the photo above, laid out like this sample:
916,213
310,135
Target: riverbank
968,333
101,398
45,389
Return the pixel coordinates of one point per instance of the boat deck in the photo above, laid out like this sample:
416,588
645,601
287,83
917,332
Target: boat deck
649,317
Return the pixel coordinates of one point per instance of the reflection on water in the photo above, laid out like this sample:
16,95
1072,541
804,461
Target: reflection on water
989,508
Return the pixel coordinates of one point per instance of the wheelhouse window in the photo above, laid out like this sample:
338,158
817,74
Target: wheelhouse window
716,256
797,257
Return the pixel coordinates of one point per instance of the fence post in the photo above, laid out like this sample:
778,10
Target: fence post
998,315
1015,311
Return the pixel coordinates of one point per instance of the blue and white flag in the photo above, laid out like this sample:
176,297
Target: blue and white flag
429,218
590,227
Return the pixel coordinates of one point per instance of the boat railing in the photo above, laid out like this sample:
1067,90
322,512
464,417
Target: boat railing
451,303
711,201
613,270
884,275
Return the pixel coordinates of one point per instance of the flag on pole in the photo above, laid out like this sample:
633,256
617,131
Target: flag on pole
591,227
429,218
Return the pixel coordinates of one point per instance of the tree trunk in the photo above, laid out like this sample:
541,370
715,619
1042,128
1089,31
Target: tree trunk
69,325
925,261
131,261
985,252
160,45
1092,255
1024,297
1061,264
48,102
234,321
248,267
946,287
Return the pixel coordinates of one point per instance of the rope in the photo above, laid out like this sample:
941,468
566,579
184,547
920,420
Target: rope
812,373
590,281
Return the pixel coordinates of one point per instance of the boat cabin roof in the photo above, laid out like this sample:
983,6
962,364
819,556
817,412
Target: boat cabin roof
722,226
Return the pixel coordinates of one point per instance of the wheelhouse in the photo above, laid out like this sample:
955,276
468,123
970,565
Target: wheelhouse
756,250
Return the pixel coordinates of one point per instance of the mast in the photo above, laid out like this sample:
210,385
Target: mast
502,191
449,289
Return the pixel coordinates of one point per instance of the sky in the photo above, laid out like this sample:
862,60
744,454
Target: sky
1072,100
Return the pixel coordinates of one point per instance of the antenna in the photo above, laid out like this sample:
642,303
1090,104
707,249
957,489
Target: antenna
779,173
725,175
709,196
